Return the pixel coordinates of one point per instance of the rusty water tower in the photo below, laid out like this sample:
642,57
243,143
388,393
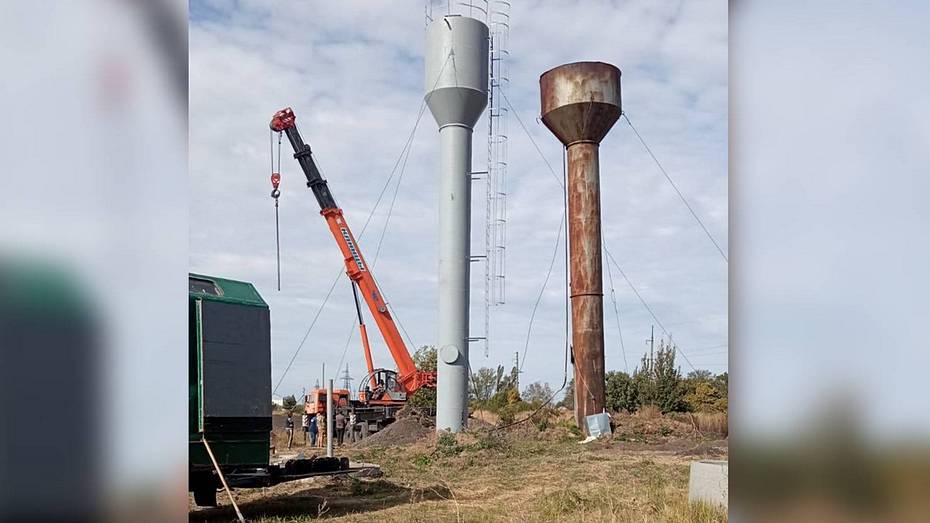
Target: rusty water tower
580,102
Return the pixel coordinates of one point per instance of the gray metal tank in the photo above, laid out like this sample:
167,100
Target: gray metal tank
456,94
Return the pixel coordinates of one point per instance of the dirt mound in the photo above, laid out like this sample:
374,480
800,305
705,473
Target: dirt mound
412,425
633,425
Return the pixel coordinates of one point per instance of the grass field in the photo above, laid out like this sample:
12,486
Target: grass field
522,476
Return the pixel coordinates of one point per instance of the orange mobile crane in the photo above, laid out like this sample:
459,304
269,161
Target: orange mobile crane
383,390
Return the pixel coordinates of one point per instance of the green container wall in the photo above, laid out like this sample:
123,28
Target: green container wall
229,372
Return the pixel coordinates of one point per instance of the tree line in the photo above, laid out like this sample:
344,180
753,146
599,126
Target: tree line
656,381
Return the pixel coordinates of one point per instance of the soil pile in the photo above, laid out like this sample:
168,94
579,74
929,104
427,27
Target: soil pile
411,425
649,429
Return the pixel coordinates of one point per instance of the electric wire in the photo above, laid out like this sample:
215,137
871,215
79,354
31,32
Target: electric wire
646,305
567,316
562,184
674,186
360,236
613,298
405,153
555,252
532,140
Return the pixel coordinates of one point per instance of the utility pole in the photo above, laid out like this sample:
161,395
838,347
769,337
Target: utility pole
651,340
516,365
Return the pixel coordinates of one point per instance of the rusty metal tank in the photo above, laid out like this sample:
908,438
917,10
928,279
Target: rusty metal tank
580,102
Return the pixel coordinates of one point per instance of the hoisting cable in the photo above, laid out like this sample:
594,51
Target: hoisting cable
276,193
341,271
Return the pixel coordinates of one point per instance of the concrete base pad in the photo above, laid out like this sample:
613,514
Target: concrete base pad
709,482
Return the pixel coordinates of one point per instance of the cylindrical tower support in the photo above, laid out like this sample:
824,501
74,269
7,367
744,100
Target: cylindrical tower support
580,103
456,83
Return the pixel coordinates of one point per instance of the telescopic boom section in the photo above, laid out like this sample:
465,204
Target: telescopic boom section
356,267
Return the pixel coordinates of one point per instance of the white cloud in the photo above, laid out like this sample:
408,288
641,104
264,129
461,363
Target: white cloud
353,73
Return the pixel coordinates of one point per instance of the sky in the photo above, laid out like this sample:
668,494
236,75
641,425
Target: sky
353,72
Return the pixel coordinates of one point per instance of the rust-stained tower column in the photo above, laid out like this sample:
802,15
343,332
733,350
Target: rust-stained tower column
580,103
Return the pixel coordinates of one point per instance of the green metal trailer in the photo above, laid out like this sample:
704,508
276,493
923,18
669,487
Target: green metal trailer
230,392
229,379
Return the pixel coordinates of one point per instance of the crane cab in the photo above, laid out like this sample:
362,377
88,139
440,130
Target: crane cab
315,402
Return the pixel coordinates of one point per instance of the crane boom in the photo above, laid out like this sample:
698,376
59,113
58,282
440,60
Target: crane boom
356,268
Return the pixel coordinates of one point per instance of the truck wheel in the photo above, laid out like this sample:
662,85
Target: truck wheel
205,496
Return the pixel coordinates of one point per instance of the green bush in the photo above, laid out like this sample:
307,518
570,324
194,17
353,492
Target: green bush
621,392
289,403
425,360
657,381
706,392
421,461
537,393
507,414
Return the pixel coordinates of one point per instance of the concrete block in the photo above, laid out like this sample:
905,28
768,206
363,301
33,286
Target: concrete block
709,482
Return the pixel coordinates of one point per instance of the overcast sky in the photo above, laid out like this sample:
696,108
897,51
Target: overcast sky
353,72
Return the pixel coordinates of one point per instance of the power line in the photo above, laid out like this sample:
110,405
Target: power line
555,252
306,334
646,305
371,214
681,196
405,154
567,321
530,136
613,298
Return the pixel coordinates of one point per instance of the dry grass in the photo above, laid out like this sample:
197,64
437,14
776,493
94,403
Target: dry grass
712,423
482,478
709,424
648,412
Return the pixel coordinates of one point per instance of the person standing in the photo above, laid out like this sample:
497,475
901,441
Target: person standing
313,430
340,423
321,425
305,423
352,421
289,429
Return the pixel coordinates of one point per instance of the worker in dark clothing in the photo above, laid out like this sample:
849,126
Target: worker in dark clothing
314,430
289,428
340,422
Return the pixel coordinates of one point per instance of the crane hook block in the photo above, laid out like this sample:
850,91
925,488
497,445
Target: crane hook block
283,119
275,180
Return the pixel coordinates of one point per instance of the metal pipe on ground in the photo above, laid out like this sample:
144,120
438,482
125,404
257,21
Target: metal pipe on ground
580,102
